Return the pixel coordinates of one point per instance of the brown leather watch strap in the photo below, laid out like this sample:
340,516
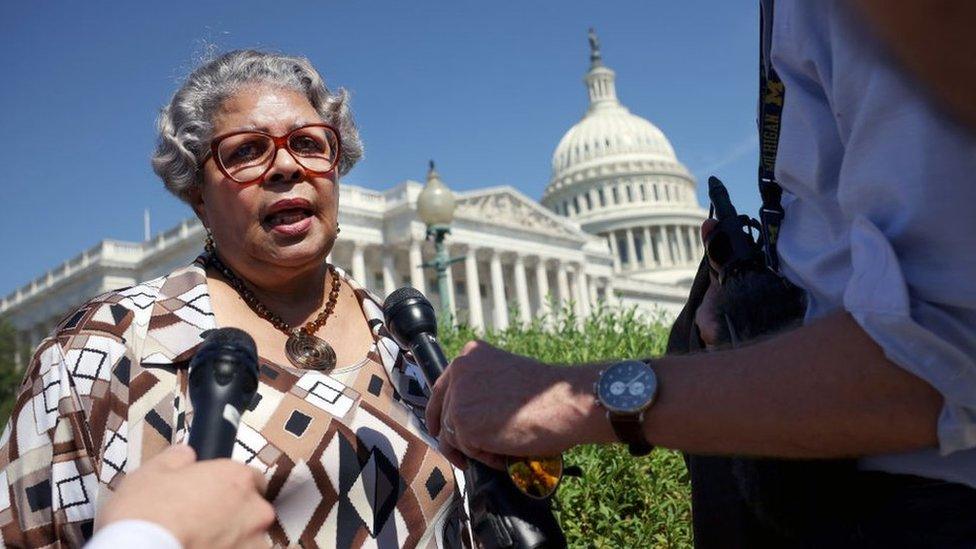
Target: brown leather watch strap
629,430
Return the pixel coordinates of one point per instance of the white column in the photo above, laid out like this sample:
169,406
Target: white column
648,248
562,280
664,249
451,303
611,298
612,236
581,293
594,199
522,290
542,285
389,273
416,271
359,264
679,238
499,305
693,234
591,288
631,249
473,288
692,251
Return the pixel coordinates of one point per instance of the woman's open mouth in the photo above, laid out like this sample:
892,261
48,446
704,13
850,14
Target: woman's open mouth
290,217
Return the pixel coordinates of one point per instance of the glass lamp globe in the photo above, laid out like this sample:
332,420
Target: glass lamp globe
435,205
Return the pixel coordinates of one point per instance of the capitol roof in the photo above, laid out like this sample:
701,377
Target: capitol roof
608,132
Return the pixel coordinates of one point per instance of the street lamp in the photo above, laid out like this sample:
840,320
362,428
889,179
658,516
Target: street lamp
435,207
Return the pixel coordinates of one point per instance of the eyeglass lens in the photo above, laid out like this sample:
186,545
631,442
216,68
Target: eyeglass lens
246,156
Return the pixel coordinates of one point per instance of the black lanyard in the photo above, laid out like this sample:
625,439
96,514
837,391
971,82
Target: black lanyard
771,95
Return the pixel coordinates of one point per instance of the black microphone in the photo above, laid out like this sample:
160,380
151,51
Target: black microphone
719,196
501,516
411,320
223,380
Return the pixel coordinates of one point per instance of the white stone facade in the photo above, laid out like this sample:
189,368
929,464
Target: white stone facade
618,225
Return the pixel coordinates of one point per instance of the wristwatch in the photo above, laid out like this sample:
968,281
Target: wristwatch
626,390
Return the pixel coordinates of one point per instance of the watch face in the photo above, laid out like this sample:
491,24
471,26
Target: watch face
627,387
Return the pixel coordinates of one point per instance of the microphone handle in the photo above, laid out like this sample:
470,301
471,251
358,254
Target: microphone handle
430,357
212,434
219,392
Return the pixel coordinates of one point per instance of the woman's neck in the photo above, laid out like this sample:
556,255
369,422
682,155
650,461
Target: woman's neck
296,294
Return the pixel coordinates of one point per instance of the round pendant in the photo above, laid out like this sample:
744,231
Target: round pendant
308,351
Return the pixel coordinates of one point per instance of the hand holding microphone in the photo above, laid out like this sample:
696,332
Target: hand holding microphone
207,504
201,500
501,515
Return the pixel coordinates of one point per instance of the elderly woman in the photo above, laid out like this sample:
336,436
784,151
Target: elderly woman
255,144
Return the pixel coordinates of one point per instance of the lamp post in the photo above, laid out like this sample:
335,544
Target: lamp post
435,207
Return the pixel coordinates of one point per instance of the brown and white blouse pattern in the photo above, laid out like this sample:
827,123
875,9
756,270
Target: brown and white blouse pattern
347,456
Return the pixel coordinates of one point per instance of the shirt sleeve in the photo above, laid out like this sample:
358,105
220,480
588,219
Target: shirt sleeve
48,482
134,533
906,186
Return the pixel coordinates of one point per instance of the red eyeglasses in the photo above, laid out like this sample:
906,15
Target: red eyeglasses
247,156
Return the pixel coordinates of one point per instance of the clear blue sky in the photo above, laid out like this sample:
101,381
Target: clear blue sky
484,88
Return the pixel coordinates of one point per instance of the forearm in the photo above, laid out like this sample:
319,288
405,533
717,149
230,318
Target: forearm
824,390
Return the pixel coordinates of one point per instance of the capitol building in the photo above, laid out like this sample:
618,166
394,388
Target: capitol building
618,225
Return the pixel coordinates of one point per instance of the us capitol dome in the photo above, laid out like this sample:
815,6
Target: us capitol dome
617,176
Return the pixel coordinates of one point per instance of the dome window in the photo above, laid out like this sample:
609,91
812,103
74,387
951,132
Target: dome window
643,191
616,196
630,194
576,207
589,202
603,198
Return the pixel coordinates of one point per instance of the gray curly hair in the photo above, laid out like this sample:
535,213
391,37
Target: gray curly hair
185,126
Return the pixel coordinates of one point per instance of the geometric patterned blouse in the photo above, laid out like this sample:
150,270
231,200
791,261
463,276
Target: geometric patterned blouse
347,456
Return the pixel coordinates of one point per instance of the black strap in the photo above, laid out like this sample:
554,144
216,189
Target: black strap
771,95
629,429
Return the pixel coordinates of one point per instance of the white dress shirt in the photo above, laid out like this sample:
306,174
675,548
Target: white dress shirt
133,533
880,217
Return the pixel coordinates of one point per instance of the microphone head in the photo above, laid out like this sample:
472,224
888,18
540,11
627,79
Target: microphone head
719,196
234,337
408,312
229,346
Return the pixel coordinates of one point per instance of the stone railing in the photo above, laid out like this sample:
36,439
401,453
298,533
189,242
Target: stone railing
114,252
76,264
359,197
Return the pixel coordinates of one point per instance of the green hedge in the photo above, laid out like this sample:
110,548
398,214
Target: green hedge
620,501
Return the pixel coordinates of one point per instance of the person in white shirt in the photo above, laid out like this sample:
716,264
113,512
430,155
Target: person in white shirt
174,501
879,231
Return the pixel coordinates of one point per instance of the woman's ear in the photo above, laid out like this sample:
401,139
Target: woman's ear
195,199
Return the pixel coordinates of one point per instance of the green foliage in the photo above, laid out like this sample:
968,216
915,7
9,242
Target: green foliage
620,501
9,375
